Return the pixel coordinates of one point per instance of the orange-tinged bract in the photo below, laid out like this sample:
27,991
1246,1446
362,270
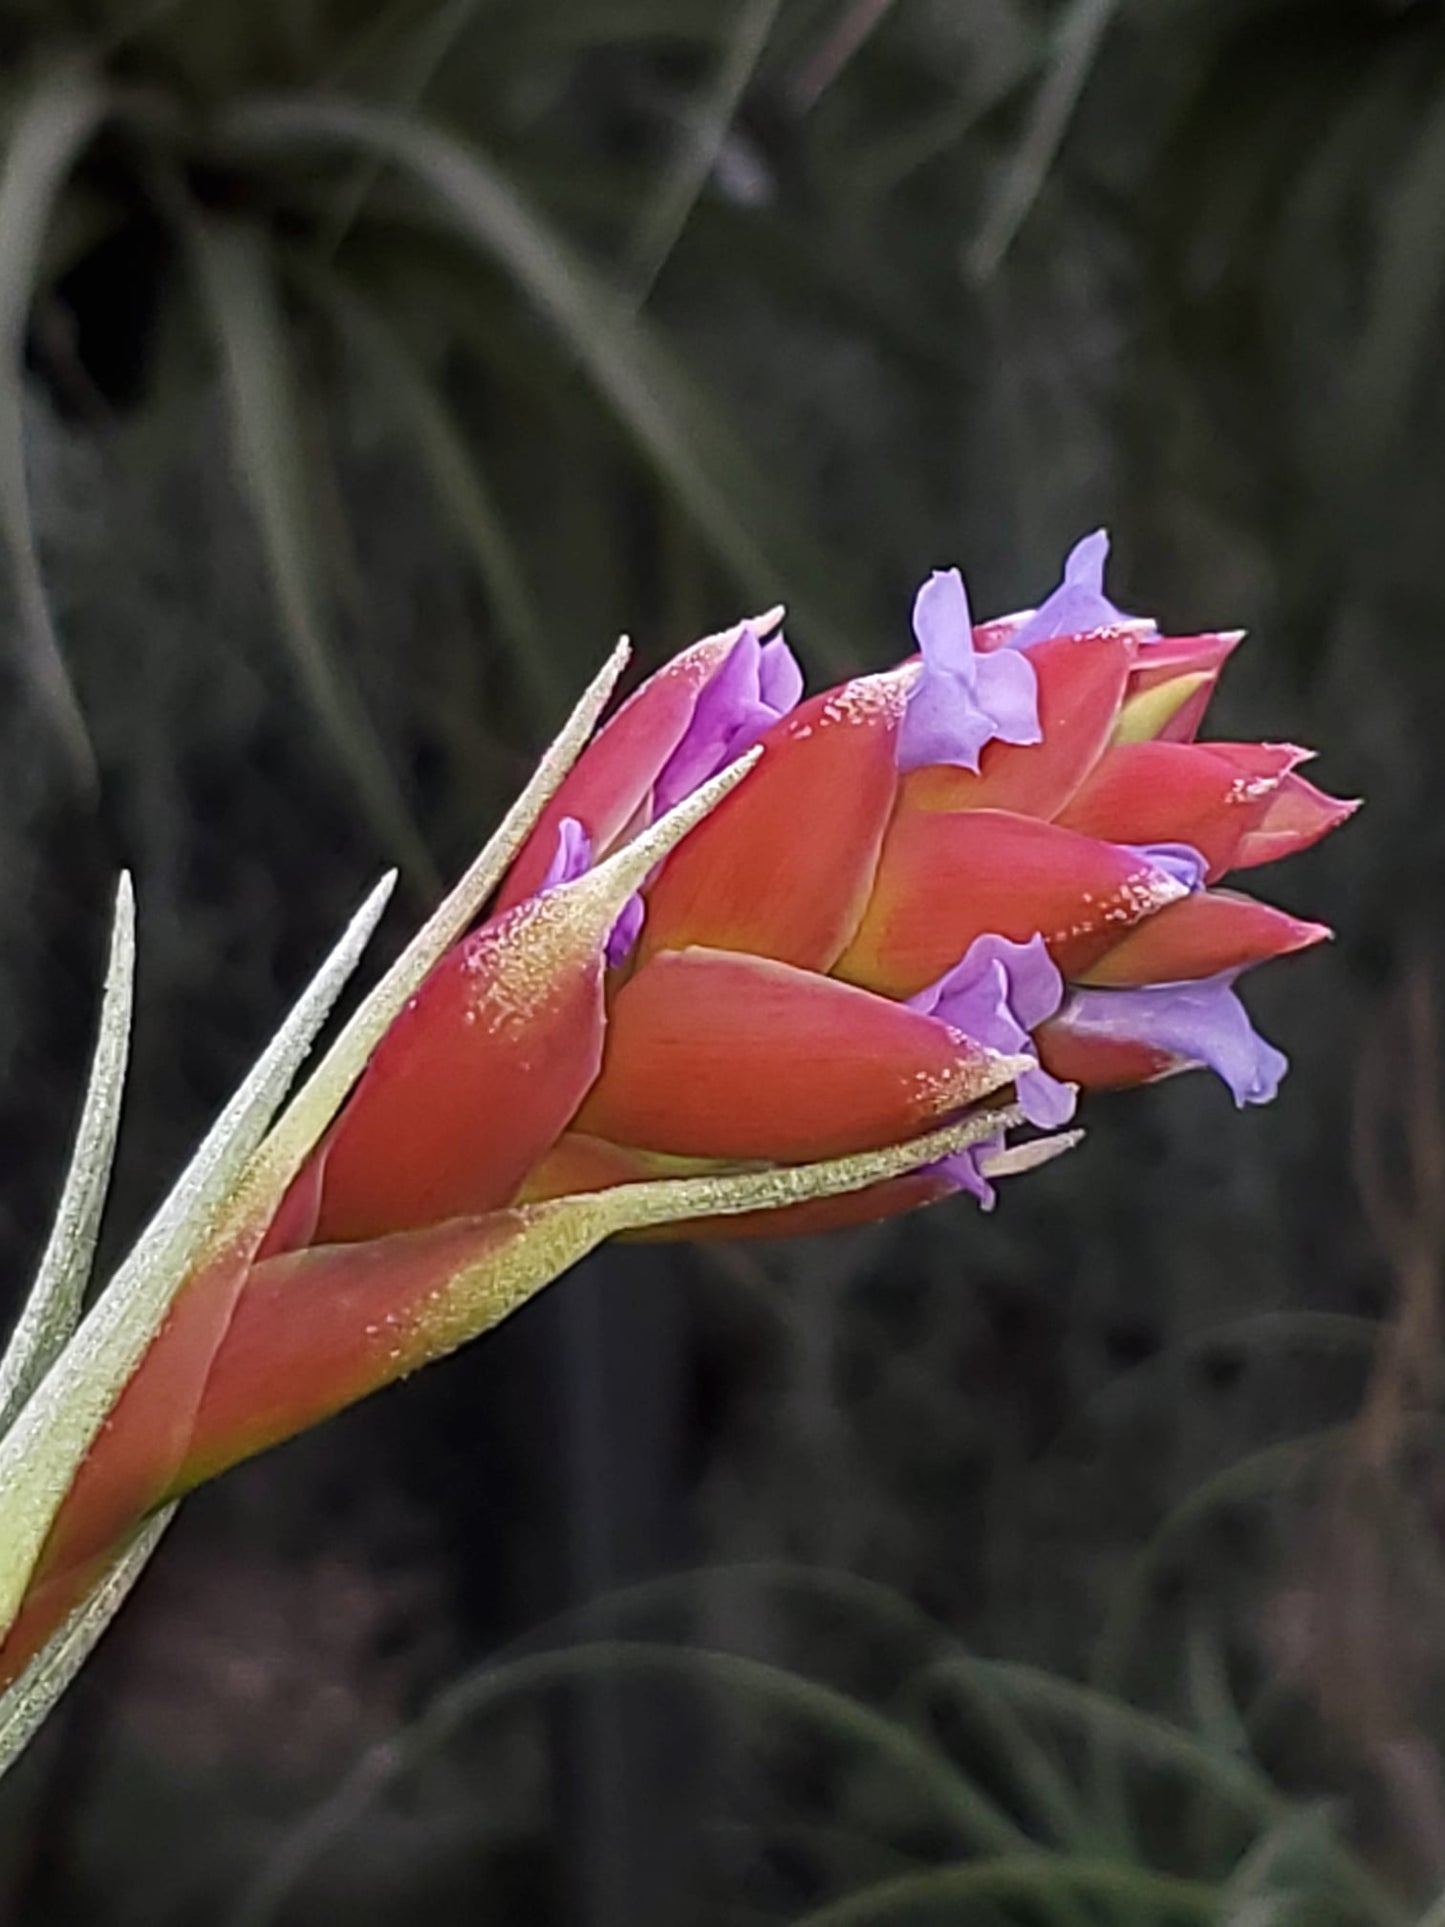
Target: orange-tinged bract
1202,935
975,880
783,867
716,1055
1208,795
945,880
477,1077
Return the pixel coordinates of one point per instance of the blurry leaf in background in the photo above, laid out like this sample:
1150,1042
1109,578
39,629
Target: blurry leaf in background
56,118
200,144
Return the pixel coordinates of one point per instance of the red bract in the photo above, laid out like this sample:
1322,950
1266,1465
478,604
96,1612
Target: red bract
730,1035
987,866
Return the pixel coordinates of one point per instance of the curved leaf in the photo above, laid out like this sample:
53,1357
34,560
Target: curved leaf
709,467
55,123
28,1703
238,278
50,1312
41,1452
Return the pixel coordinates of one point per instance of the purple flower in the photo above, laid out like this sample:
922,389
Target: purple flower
756,685
622,939
962,700
964,1170
997,995
572,859
1200,1023
1178,860
1079,602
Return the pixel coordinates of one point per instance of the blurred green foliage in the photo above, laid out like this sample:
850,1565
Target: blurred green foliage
364,369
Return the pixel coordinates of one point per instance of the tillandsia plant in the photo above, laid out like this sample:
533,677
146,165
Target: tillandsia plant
753,963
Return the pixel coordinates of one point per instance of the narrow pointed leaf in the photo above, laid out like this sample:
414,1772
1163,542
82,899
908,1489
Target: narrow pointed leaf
701,136
149,1425
614,776
1298,816
321,1096
28,1702
42,1451
145,1439
1201,936
315,1330
944,1894
50,1312
456,475
1078,35
1208,795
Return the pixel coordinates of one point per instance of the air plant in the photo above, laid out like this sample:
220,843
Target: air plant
752,963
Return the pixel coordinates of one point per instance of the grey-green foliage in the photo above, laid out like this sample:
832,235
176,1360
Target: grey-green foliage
1013,1819
294,160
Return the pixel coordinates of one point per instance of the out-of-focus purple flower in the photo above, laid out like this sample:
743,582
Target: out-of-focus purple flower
963,699
757,684
1187,1024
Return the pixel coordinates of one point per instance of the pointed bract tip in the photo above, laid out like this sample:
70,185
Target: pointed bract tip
998,1069
1015,1159
626,869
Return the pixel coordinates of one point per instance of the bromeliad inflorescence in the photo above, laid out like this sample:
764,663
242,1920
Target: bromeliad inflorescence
942,900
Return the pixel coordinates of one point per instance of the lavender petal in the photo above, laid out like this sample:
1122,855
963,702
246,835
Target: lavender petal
572,857
1200,1023
996,995
964,1171
753,687
780,679
943,624
1179,860
1079,602
962,700
622,939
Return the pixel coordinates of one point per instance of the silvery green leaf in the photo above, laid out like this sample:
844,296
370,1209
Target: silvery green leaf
50,1312
26,1704
228,1183
42,1451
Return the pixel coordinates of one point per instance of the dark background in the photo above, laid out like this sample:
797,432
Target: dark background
348,457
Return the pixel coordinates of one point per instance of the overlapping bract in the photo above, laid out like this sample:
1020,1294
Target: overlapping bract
1008,844
992,867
